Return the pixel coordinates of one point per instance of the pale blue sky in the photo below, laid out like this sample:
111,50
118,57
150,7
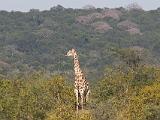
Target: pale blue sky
26,5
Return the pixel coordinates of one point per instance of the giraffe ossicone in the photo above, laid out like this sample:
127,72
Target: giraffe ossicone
81,85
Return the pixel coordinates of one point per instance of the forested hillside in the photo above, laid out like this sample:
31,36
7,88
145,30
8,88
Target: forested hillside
119,51
38,40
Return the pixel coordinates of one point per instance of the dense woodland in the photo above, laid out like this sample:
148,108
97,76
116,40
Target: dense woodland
119,51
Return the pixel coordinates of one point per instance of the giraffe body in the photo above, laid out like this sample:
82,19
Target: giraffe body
81,85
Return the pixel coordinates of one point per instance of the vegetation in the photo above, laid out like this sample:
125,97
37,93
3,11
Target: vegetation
118,49
38,40
33,98
123,95
128,95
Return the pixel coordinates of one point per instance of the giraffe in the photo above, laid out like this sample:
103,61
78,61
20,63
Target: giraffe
81,89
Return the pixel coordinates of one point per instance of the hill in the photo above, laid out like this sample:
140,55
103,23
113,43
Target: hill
38,40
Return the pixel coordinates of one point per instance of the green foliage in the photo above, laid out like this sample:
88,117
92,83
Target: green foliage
68,113
38,40
132,94
63,112
128,95
145,105
33,98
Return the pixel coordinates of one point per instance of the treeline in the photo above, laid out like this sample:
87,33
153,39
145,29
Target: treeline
38,40
123,94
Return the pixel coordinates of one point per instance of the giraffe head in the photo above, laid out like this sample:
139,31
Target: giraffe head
71,53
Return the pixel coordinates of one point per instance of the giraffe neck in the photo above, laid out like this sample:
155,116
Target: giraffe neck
77,68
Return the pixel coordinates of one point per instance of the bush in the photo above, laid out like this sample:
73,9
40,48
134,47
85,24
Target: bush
33,98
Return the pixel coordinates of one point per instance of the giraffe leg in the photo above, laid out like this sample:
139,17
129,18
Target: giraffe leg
87,95
76,94
81,91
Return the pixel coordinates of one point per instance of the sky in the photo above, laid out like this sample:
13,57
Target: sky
26,5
